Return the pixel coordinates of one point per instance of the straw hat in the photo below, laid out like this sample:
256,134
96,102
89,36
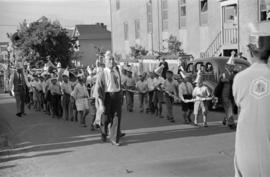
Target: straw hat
65,73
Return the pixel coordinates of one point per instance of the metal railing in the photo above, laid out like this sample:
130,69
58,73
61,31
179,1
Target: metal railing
225,36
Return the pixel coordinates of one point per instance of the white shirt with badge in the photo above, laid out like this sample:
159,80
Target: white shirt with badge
112,80
251,91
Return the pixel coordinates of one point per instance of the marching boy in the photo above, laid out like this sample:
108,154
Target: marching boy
170,88
81,97
130,85
142,88
200,93
55,91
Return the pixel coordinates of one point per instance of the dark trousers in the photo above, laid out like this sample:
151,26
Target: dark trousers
65,106
130,100
20,100
56,104
150,101
112,117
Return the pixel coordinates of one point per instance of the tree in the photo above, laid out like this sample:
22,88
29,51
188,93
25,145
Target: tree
174,46
43,38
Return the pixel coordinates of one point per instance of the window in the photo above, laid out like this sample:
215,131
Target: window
164,15
137,29
203,12
190,68
149,17
209,67
264,9
126,31
182,13
230,14
117,4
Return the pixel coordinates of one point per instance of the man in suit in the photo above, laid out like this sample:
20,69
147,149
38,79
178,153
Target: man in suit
19,80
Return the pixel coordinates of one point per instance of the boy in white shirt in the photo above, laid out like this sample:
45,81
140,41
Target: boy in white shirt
81,97
142,88
200,92
158,94
170,87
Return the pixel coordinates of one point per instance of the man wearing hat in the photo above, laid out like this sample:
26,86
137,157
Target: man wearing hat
224,91
158,93
129,84
109,96
19,80
251,91
66,90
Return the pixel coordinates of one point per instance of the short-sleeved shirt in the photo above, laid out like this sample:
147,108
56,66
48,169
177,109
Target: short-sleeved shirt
201,92
170,86
66,87
158,81
150,83
55,89
185,88
142,86
80,91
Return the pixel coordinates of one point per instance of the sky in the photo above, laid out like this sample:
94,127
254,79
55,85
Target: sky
68,12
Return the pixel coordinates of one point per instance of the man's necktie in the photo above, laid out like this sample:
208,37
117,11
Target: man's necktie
114,79
187,91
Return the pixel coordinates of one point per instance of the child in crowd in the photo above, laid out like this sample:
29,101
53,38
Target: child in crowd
55,91
130,84
200,92
151,88
158,93
170,88
185,92
142,88
72,106
81,97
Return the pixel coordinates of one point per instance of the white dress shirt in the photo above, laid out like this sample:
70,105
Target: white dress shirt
112,80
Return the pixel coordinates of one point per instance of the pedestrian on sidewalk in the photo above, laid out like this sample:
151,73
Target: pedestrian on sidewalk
170,88
19,82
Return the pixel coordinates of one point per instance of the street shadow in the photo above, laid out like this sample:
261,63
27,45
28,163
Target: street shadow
3,160
7,166
175,134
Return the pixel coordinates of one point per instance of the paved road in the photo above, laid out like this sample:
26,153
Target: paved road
46,147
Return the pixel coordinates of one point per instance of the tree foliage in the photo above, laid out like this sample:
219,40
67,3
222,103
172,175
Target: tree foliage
43,38
174,46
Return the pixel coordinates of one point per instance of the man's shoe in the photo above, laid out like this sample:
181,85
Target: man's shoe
172,120
103,138
122,134
205,124
19,114
115,143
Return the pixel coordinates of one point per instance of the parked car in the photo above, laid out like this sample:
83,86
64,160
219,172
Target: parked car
212,68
